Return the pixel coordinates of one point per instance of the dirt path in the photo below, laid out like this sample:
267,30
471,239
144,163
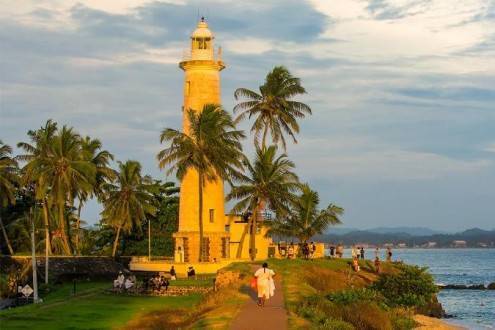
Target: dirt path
272,316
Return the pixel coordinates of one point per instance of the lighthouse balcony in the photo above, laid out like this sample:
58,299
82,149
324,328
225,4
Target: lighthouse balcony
211,54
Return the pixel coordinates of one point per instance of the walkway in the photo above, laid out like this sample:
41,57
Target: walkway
272,316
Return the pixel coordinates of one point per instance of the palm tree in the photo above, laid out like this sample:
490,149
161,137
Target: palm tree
211,148
58,172
128,200
305,219
91,152
8,180
38,149
269,184
273,107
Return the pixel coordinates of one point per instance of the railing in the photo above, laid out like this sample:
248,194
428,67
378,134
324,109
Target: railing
212,54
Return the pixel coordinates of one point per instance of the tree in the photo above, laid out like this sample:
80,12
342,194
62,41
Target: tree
91,152
270,183
305,219
212,148
39,148
59,172
8,180
273,107
128,200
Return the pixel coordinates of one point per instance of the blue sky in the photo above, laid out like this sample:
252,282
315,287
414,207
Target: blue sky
403,91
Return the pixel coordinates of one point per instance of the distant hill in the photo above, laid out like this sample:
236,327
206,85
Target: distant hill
474,237
413,231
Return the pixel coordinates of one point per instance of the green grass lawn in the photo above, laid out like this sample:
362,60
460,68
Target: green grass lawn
91,308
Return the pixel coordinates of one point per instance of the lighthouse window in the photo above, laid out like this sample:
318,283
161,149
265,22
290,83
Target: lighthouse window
212,215
202,43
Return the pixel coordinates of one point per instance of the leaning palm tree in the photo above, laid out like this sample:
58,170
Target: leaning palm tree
128,201
273,108
270,184
91,152
8,180
305,219
212,148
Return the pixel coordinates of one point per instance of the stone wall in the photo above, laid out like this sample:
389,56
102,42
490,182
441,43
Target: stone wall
67,268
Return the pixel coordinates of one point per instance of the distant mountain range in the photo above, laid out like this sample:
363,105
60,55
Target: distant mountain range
410,236
413,231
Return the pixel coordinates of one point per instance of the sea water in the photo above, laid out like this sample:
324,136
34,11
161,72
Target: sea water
474,309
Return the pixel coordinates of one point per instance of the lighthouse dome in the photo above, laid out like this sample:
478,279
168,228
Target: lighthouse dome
202,30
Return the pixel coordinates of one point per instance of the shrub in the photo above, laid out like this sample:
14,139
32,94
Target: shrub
366,316
411,287
346,297
332,324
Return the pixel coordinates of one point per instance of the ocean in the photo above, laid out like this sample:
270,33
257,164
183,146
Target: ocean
474,309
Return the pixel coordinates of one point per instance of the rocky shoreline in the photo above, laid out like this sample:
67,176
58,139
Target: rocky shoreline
490,286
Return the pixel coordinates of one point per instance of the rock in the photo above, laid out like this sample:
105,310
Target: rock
491,286
463,287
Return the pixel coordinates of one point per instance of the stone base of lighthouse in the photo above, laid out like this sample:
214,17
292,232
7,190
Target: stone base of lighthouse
216,246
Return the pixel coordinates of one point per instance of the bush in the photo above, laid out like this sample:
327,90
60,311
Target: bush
411,287
347,297
366,316
332,324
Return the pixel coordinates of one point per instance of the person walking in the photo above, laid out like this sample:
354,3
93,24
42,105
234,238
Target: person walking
264,282
377,252
361,252
389,253
312,250
354,252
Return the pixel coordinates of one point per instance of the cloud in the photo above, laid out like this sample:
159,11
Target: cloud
399,88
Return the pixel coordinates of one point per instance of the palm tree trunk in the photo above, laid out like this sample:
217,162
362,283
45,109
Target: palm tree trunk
61,219
48,247
252,237
47,239
78,225
241,241
263,141
116,242
201,233
7,241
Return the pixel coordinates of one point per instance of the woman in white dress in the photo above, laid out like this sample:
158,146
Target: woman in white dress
264,281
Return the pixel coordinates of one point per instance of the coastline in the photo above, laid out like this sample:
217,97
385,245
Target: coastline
431,323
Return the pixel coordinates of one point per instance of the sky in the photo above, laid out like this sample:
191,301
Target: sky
402,91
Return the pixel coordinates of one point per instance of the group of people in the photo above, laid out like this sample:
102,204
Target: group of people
357,253
124,283
307,250
159,283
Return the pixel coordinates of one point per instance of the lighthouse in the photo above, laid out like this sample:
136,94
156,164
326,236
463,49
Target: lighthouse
201,64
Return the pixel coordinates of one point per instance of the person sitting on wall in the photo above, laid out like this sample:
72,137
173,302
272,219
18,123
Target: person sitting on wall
129,282
164,283
173,274
191,272
119,282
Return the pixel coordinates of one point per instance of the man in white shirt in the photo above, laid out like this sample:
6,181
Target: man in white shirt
264,277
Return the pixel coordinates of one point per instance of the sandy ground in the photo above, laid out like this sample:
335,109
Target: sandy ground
430,323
